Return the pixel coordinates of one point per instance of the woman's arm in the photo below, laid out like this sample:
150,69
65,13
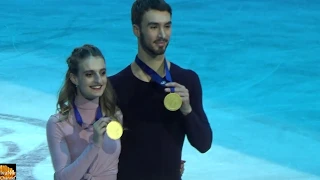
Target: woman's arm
60,155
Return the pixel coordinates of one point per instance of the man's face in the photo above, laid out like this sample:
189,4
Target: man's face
155,32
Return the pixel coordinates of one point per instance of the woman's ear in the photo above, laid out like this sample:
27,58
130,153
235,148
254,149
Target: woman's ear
74,79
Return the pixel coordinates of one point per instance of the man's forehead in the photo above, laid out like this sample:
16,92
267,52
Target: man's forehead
155,16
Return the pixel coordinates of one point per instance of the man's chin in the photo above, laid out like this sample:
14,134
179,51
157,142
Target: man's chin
156,51
159,52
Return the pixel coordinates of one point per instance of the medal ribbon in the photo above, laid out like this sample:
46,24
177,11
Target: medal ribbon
79,118
155,76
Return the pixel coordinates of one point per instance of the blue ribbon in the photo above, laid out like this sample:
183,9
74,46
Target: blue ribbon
154,75
79,118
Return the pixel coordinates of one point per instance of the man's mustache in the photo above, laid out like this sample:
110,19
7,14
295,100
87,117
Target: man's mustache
161,40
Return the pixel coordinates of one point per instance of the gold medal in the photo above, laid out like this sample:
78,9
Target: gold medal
173,101
114,130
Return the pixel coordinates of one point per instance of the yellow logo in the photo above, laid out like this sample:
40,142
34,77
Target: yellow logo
7,173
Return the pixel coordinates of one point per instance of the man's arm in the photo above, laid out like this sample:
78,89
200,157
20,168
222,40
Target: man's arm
197,127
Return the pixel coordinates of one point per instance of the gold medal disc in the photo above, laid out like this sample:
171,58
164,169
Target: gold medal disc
173,101
114,130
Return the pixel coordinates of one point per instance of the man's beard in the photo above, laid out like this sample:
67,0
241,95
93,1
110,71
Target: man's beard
152,52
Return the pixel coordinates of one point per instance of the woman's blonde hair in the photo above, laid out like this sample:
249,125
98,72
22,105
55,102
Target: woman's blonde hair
68,91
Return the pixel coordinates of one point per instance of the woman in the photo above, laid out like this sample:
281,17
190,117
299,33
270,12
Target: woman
78,144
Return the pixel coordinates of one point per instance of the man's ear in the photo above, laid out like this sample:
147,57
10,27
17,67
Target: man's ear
136,30
73,79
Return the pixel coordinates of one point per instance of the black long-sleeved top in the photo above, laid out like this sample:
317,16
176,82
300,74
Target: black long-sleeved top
153,141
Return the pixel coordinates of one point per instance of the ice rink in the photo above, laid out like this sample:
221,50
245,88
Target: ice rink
258,61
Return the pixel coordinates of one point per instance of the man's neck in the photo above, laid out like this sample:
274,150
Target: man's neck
154,62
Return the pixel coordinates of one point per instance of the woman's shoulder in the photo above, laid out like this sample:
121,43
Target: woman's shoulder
57,118
58,122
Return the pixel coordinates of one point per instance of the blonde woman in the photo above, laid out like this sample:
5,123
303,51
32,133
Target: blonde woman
78,144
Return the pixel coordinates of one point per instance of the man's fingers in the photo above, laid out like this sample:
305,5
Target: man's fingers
173,84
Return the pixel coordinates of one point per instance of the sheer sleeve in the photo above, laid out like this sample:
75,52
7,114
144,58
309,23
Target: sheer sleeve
60,156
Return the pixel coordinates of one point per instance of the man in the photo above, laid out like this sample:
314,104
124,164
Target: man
156,124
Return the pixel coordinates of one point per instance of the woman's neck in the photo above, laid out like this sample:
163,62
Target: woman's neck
82,103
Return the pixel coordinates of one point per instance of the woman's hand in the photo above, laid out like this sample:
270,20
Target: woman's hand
99,128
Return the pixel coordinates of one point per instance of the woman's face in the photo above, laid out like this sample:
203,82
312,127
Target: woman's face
91,79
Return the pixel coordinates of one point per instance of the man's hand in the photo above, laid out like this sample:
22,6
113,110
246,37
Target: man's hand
184,94
182,167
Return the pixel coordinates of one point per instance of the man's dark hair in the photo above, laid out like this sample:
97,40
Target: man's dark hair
140,7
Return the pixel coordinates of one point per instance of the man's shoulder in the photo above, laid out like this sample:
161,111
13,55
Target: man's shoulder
187,77
120,76
184,73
